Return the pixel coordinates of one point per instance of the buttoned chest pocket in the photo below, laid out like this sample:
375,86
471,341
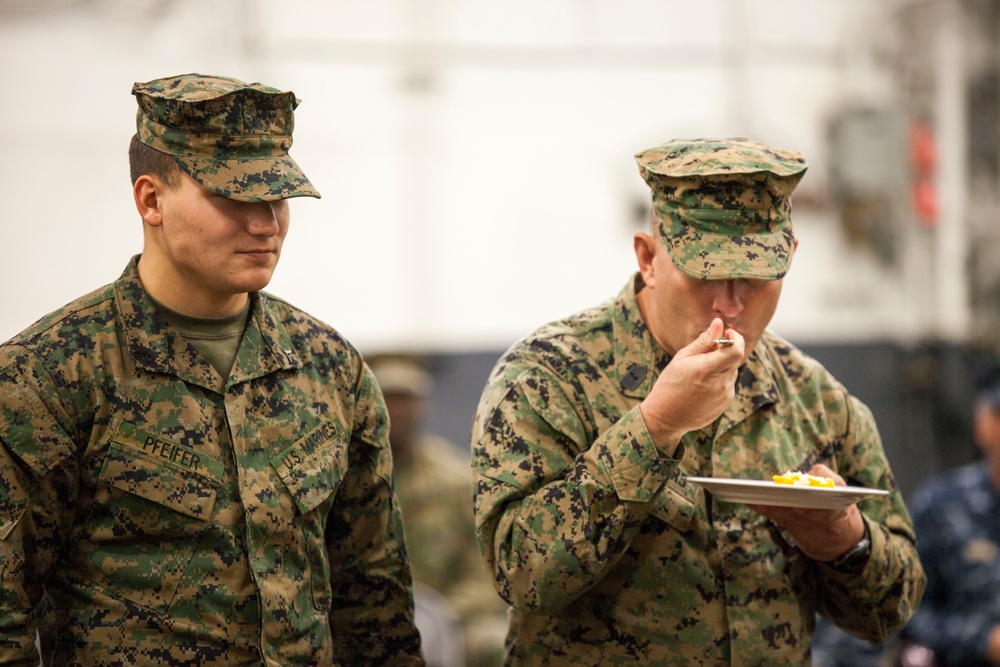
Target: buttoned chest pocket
312,470
154,500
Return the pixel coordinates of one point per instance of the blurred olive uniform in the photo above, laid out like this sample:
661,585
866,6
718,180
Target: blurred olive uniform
435,496
434,487
155,510
606,553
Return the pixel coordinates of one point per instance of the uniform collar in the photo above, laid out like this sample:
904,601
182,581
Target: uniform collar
156,347
639,359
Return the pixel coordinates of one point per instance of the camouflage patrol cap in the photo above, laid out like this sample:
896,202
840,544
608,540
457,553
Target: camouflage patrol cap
723,205
230,136
401,376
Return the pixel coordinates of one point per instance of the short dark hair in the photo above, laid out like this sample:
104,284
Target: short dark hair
143,160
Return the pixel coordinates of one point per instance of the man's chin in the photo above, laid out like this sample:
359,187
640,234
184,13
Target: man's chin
255,282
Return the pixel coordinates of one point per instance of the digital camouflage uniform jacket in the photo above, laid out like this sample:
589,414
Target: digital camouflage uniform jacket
610,557
152,512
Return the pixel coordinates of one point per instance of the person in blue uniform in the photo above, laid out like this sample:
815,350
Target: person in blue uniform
957,520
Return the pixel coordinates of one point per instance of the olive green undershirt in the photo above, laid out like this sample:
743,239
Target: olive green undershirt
217,339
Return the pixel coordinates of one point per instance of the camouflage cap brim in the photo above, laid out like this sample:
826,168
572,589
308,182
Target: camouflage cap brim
760,256
250,180
723,244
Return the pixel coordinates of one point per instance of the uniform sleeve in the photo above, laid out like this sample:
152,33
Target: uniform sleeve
38,489
372,613
957,638
555,511
877,602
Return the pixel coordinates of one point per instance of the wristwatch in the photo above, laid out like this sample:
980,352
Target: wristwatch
853,561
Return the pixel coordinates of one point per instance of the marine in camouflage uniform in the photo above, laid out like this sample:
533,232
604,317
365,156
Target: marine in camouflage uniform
434,489
433,483
607,553
158,510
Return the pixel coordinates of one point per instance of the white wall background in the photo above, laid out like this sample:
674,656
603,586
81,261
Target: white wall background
475,156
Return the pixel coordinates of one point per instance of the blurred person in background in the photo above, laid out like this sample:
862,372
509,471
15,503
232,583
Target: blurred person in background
434,486
589,427
957,518
192,471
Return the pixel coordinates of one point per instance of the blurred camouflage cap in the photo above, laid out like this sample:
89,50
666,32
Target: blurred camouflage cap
230,136
401,376
724,205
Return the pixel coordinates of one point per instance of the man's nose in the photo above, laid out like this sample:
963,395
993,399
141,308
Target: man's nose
261,219
727,300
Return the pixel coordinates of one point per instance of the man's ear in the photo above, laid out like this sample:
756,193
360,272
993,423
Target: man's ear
645,251
147,192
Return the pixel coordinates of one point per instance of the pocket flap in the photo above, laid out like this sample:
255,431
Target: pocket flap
313,467
13,501
162,472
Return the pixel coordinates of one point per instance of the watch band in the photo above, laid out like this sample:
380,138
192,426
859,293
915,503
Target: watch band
853,561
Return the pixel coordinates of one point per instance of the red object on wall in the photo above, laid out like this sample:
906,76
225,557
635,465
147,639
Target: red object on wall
923,158
925,201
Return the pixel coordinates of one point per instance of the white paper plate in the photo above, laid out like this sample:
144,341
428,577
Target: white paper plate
758,492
